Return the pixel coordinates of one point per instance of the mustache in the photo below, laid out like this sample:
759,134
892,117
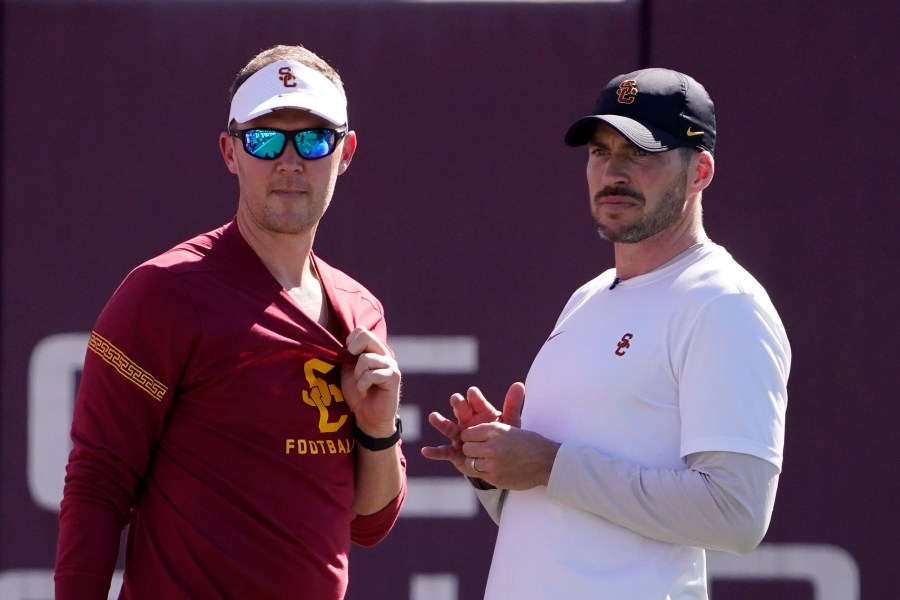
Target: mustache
620,191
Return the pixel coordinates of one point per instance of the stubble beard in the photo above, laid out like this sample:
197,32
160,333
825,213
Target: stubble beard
302,221
293,225
670,209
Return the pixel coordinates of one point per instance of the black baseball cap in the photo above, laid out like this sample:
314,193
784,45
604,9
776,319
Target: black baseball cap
655,109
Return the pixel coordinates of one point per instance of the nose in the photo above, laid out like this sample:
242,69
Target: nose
290,160
616,172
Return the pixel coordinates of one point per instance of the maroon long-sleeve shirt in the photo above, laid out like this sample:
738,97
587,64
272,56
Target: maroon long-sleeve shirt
210,418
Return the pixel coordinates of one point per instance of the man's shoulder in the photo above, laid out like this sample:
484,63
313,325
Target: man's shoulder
192,253
716,278
716,272
164,274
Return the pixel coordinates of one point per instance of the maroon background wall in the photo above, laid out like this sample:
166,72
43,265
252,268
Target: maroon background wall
467,215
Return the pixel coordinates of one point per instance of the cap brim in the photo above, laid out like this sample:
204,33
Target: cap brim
301,101
646,138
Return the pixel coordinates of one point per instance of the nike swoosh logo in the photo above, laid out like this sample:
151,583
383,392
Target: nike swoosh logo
692,133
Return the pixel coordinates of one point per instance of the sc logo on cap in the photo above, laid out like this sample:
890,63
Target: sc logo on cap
627,91
287,77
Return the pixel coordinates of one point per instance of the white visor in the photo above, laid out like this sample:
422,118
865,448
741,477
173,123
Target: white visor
288,84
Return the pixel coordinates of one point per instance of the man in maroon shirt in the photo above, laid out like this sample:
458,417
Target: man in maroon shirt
238,404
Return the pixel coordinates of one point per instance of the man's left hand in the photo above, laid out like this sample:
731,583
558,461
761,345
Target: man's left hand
372,389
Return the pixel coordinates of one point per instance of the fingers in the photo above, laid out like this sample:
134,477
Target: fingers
440,452
362,340
450,452
384,378
471,466
512,405
478,403
482,433
477,465
461,409
375,369
444,426
477,423
372,387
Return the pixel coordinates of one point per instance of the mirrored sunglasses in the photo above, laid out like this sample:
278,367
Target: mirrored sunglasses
269,144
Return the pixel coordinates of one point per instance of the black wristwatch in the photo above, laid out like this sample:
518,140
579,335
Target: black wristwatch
375,444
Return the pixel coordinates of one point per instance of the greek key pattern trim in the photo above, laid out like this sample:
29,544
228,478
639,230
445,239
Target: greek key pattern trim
125,366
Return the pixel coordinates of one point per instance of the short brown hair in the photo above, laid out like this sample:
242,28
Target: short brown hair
281,52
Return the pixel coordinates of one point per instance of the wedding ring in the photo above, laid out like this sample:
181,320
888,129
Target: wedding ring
474,468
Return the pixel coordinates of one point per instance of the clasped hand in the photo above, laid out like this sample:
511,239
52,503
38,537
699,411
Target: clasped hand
491,445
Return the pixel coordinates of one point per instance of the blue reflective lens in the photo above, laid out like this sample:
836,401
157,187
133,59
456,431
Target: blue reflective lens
315,143
264,143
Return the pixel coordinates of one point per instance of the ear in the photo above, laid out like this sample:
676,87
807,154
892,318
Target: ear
704,167
348,149
226,147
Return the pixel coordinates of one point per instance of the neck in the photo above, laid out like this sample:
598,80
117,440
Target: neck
288,258
285,255
647,255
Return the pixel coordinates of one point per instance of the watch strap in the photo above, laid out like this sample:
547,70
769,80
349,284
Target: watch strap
375,444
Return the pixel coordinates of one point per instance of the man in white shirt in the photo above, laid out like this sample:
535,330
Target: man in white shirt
654,427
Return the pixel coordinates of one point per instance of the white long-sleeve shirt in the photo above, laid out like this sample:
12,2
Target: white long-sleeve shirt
668,395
